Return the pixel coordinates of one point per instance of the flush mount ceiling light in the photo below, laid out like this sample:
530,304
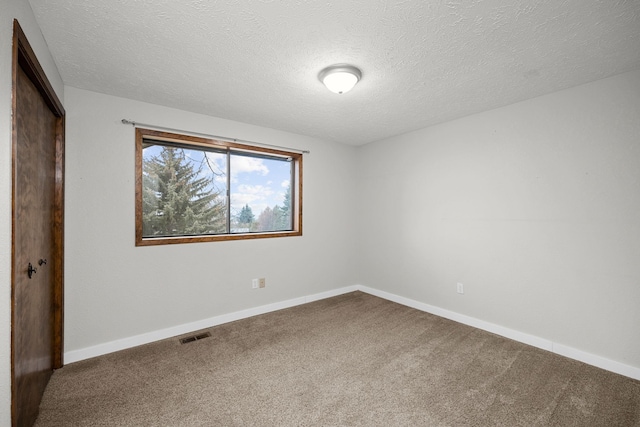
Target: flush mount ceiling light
340,78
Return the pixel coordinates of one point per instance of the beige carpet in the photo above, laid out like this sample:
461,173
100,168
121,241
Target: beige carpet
352,360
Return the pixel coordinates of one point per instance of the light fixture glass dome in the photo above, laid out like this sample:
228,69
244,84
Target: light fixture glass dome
340,78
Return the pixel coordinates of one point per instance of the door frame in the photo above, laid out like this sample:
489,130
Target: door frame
23,56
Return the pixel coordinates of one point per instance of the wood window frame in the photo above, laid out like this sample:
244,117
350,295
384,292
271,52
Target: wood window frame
197,142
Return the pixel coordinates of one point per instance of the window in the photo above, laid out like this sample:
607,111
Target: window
193,189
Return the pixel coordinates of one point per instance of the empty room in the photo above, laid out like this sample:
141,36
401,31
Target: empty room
320,213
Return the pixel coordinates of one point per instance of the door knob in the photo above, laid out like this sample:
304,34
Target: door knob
31,270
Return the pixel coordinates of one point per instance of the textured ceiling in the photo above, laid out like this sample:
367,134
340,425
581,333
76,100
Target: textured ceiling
423,61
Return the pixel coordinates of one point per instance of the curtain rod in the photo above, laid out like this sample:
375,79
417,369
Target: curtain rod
225,138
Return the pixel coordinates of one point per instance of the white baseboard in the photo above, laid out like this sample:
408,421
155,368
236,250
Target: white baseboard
560,349
599,361
566,351
134,341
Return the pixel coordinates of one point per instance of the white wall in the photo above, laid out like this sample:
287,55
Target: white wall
534,207
21,10
115,290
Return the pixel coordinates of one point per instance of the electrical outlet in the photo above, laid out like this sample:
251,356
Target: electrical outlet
263,282
254,283
460,288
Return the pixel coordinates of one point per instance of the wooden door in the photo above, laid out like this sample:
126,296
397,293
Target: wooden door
37,234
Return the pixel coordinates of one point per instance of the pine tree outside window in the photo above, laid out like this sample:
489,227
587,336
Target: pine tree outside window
191,189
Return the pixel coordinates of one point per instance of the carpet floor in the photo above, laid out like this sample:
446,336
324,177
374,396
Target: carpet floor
352,360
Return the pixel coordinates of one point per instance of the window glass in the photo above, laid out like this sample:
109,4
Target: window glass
184,191
260,194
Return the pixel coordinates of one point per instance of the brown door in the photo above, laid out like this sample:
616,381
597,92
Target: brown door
36,291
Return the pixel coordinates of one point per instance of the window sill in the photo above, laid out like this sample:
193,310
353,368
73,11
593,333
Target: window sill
154,241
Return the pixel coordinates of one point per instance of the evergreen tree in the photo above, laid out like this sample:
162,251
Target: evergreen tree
284,212
246,216
176,199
